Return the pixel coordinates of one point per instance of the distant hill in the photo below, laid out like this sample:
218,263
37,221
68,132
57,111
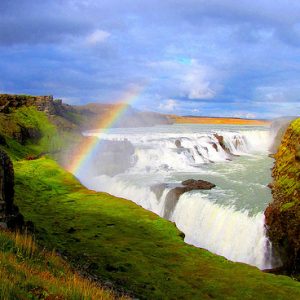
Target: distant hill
93,112
81,117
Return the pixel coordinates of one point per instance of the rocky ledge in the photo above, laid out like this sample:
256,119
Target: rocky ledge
173,195
282,216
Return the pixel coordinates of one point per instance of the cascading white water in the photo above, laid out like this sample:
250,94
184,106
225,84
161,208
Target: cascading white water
223,230
227,220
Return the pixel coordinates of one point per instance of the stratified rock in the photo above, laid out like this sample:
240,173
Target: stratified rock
43,103
9,213
174,194
220,139
282,216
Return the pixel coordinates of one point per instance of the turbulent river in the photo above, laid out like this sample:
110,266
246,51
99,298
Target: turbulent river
227,220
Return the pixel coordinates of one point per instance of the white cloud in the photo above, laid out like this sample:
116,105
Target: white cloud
190,79
196,85
97,37
168,105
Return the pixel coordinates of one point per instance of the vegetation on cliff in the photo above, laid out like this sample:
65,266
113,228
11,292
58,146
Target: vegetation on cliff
283,214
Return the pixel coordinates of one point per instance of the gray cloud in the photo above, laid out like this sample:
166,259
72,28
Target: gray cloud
222,56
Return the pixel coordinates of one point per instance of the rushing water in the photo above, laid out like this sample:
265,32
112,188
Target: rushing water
227,220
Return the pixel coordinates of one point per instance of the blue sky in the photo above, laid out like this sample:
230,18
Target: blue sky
214,58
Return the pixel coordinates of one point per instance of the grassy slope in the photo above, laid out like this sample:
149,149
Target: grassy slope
26,272
120,241
131,246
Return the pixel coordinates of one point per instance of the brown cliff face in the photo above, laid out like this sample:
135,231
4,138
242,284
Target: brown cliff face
9,213
283,214
43,103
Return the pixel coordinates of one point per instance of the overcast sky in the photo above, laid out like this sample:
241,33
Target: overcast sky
190,57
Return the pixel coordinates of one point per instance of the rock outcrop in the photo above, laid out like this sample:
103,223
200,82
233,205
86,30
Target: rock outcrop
43,103
9,213
187,186
282,216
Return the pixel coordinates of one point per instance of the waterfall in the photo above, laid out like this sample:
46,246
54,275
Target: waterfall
223,230
214,220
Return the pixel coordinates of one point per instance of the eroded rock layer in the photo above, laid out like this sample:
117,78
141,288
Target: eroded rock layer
283,214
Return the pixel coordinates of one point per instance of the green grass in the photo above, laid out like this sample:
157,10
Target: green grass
52,140
119,241
28,272
287,167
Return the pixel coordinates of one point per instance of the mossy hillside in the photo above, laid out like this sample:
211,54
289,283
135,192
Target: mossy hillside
287,167
28,272
283,214
129,246
51,138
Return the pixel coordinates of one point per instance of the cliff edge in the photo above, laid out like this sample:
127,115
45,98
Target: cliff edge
282,216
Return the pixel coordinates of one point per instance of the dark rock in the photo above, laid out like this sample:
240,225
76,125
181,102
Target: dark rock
178,144
9,213
220,139
6,182
174,194
215,146
198,184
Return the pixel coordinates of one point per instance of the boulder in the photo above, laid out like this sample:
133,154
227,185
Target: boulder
187,186
193,184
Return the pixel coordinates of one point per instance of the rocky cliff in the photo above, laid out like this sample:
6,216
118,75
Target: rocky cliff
43,103
9,213
283,214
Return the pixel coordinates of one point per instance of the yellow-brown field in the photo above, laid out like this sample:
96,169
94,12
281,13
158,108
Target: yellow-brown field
207,120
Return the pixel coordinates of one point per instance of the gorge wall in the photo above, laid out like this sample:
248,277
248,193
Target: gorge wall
9,213
282,216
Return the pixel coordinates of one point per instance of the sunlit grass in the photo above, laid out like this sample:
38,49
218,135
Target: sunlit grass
28,272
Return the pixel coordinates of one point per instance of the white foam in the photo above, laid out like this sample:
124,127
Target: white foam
223,230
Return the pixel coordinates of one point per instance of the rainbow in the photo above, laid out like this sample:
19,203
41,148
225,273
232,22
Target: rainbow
88,146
